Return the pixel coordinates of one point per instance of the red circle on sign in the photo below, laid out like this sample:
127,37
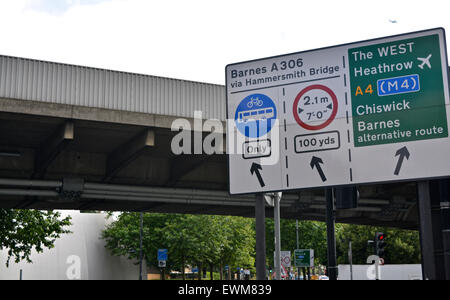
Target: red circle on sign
333,114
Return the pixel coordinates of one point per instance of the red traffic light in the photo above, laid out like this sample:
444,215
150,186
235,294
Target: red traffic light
379,236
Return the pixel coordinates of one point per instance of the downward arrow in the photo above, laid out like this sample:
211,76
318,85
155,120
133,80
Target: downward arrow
315,163
402,153
256,168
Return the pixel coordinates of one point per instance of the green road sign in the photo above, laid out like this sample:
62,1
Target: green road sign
398,92
304,258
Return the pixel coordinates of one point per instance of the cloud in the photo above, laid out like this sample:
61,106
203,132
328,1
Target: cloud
194,39
58,7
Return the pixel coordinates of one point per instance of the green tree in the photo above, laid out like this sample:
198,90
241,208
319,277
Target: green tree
312,235
403,246
203,241
240,243
193,239
179,241
216,241
122,236
21,231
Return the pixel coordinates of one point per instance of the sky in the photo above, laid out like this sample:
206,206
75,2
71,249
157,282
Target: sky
196,39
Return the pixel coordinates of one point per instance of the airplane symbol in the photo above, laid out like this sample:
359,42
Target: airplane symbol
425,61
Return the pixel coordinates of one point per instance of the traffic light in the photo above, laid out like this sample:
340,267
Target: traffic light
380,244
347,197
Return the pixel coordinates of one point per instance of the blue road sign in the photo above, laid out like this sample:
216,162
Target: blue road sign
256,115
398,85
162,255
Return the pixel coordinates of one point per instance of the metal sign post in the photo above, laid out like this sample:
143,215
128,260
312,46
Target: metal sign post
350,258
277,199
298,246
331,236
141,237
260,237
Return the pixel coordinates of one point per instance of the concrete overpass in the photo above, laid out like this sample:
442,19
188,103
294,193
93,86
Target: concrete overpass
74,137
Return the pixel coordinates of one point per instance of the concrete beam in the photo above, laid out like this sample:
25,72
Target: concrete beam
52,147
128,152
183,165
66,111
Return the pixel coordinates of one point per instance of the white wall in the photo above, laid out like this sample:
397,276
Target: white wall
79,255
387,272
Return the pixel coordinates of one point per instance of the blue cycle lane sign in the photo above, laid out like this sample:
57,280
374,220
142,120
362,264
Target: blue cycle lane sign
162,255
255,122
256,115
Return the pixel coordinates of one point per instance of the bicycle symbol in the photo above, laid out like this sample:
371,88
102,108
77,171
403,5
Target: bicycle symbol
255,101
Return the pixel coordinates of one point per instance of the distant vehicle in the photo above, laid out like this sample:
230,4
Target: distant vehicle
323,277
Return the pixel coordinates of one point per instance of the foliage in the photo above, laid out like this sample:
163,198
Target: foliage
23,230
312,235
403,246
190,240
222,240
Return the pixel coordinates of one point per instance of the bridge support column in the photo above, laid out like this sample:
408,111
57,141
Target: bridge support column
429,200
445,224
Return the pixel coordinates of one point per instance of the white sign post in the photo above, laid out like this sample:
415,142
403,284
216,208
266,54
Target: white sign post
367,112
284,264
286,259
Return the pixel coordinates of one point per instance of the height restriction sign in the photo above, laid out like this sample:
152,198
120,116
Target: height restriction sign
366,112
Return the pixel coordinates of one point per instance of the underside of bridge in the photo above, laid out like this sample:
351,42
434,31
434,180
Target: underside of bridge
73,163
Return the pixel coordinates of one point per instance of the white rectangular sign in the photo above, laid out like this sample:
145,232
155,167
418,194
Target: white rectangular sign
285,259
367,112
